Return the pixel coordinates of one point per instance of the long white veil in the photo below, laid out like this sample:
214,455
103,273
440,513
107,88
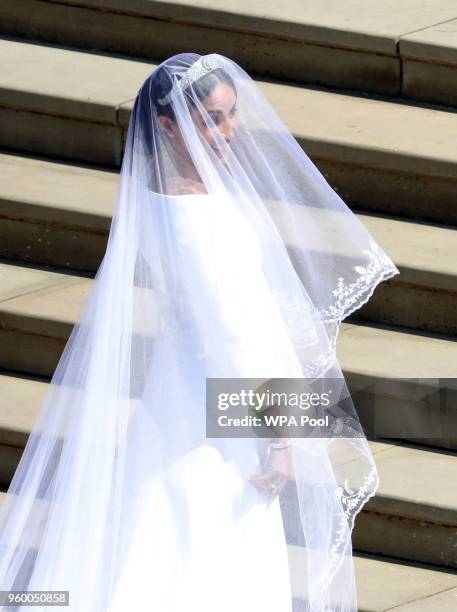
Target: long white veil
65,519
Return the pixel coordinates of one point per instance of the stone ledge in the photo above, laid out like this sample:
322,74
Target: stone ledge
345,44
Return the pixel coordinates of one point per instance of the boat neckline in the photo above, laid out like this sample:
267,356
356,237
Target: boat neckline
180,195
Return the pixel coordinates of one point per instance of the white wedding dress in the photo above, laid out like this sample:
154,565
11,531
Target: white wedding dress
202,537
119,497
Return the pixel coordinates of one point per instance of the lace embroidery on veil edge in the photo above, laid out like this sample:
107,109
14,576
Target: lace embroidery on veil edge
352,502
379,268
350,297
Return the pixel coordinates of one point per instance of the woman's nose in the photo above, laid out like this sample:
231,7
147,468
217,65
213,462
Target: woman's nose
228,129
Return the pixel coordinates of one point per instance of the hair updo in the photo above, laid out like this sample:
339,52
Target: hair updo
158,85
161,85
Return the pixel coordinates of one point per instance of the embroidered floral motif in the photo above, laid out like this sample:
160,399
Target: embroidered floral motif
295,311
344,427
352,501
319,366
347,295
351,498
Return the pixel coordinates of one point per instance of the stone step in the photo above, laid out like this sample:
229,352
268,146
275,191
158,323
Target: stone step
413,515
46,220
384,583
21,399
402,382
377,154
406,49
38,308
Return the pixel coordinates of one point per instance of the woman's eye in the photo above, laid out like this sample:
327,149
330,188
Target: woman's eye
216,119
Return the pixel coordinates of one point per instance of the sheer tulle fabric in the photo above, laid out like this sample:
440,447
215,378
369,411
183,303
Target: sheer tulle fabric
119,497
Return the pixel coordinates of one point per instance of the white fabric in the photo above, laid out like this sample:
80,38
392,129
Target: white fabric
198,529
229,255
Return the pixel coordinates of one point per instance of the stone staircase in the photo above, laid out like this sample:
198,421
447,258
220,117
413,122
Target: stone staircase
390,48
348,85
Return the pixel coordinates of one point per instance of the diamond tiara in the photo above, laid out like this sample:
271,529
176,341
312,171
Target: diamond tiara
202,66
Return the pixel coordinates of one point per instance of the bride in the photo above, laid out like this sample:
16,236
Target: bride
230,265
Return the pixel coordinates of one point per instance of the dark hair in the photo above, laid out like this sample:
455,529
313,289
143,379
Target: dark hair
158,84
202,87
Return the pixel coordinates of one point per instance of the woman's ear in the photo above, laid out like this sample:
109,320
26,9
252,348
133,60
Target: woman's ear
167,125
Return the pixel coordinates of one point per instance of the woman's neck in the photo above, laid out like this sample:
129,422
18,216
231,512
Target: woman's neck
186,169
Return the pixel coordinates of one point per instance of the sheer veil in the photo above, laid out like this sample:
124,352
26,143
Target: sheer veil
173,278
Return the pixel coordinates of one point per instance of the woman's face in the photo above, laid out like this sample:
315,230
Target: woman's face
220,104
221,107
